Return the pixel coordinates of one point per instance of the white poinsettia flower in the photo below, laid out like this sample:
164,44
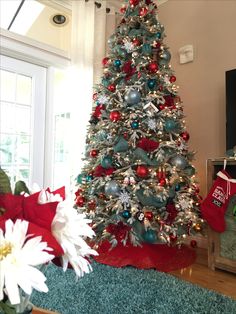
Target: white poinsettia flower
71,229
18,256
47,197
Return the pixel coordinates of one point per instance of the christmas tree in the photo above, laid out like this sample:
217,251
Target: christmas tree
138,182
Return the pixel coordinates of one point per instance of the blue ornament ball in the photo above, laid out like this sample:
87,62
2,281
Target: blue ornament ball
112,188
117,63
126,214
133,97
106,162
135,125
89,178
165,57
177,187
170,125
158,35
151,83
150,236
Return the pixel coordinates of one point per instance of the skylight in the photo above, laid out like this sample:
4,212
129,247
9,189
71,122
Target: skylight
19,15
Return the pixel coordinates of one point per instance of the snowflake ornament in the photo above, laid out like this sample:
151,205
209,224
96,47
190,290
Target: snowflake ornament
103,99
124,198
185,202
129,47
152,124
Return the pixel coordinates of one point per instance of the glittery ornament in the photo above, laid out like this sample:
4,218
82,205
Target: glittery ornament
136,42
143,11
152,67
134,125
172,79
133,97
115,116
149,215
142,171
105,61
93,153
117,63
126,214
134,2
112,188
92,204
150,236
80,201
185,136
111,88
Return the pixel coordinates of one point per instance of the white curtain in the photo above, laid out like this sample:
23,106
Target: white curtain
81,76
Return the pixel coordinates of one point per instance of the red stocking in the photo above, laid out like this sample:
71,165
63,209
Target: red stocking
214,206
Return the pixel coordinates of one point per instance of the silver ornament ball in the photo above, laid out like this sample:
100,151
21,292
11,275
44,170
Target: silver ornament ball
179,162
112,188
133,97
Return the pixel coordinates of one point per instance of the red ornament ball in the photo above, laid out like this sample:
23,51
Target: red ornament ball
153,67
148,215
115,116
92,204
185,136
102,196
142,171
172,79
112,88
162,181
134,2
193,243
105,61
122,10
136,42
143,11
80,201
93,153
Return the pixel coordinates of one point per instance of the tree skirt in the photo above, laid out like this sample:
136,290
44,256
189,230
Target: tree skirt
158,256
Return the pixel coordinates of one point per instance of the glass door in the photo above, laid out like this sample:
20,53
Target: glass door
22,120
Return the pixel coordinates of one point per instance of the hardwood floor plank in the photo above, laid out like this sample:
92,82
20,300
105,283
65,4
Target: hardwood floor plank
199,273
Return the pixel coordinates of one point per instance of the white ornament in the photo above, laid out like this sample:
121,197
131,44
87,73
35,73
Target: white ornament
124,198
152,124
129,47
132,180
103,99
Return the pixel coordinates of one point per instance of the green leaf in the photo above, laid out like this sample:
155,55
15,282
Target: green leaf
7,308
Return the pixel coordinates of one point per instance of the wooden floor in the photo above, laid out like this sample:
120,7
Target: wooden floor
199,274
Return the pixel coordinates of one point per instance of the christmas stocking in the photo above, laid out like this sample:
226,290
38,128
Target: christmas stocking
214,206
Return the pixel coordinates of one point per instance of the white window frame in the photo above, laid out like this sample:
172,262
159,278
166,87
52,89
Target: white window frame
29,50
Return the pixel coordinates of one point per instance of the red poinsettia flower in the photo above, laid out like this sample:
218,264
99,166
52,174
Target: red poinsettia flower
39,216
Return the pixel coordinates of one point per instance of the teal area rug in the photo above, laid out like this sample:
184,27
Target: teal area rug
109,290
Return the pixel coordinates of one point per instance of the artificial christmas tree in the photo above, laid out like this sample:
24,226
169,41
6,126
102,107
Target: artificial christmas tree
138,183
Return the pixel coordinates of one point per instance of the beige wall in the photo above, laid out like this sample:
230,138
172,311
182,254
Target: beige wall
210,25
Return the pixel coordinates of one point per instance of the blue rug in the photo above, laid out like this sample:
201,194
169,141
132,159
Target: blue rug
109,290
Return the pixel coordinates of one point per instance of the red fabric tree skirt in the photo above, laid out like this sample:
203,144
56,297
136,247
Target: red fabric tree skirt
157,256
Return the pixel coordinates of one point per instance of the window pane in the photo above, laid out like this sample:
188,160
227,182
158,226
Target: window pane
8,86
22,123
7,117
23,89
6,149
23,149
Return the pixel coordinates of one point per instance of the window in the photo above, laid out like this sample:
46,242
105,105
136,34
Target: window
22,123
